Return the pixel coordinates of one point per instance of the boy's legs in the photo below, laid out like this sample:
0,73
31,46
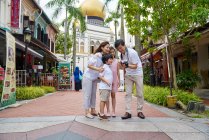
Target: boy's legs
104,97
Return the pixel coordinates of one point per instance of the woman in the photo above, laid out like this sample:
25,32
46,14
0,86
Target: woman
90,79
77,78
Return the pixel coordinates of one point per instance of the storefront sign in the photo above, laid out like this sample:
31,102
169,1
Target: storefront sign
9,87
15,13
64,75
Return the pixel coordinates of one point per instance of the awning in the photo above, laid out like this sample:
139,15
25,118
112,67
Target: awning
21,46
147,55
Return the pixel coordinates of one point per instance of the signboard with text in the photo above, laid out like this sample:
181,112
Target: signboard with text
9,84
15,13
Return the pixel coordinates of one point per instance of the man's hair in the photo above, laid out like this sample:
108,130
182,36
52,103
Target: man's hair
106,57
119,42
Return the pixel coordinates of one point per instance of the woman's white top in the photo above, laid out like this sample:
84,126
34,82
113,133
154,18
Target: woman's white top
132,57
96,61
107,74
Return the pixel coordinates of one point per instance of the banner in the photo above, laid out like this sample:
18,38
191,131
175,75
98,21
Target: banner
15,13
64,75
9,87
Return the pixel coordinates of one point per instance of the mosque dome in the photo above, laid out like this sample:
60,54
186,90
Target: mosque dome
93,8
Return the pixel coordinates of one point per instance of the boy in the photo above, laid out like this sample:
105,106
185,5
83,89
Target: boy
105,85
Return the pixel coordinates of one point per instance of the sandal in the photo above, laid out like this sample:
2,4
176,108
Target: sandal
108,115
93,114
113,115
89,116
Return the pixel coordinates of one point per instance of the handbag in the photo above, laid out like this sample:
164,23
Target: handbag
80,77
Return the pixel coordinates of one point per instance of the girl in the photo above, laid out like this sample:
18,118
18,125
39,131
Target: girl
116,82
90,79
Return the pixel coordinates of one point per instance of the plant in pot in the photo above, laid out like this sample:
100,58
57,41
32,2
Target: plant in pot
187,80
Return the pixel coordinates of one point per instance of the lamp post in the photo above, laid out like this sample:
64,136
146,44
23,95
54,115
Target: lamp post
152,74
78,59
71,67
27,39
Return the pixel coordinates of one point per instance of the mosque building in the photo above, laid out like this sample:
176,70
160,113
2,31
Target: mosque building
96,32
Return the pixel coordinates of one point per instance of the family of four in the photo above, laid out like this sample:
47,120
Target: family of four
103,68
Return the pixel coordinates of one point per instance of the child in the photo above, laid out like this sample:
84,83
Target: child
105,85
116,82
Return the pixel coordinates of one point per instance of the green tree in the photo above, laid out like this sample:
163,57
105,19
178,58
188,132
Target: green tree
77,22
60,43
114,16
169,19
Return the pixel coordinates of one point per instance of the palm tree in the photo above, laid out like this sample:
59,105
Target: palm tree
119,11
59,5
77,21
114,16
75,16
137,39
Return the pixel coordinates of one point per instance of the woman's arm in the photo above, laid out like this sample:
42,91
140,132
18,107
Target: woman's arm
99,69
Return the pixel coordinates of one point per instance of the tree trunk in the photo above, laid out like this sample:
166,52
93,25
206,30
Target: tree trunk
138,45
116,53
169,62
122,32
74,47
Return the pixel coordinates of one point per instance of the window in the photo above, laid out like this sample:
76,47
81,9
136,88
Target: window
25,21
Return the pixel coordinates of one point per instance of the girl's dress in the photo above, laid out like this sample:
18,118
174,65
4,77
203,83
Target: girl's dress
114,68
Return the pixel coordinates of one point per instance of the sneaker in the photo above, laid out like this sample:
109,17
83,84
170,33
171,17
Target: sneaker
102,117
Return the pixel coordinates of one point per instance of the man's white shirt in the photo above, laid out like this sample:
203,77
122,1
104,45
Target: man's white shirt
132,57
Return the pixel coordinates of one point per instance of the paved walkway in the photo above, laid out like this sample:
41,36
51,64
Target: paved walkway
60,117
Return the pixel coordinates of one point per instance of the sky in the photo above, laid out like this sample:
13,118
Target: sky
50,11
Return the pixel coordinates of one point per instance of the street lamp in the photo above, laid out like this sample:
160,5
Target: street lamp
71,67
78,59
27,39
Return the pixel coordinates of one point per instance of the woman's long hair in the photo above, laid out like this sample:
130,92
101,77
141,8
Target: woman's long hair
102,45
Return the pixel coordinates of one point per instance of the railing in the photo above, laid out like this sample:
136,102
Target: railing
49,79
20,77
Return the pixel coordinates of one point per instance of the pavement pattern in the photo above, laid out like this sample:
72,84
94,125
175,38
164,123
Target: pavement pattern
60,116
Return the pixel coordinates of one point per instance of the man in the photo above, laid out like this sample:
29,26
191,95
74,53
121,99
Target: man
133,74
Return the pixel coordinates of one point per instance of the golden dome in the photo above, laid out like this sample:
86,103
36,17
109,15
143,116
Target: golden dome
93,8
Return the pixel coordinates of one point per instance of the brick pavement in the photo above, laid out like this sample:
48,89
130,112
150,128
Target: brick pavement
65,103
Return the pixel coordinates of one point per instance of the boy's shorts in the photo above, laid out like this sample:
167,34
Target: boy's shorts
104,94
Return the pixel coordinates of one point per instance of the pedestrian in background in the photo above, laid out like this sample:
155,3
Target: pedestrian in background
78,78
90,79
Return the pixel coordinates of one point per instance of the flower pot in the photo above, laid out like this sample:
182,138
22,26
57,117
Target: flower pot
171,101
